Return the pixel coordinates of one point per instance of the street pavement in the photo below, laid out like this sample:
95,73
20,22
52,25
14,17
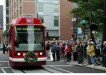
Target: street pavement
98,67
85,64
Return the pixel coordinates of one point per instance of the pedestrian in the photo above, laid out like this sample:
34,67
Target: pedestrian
79,50
4,48
91,52
53,50
104,54
7,47
98,47
58,49
85,50
62,50
48,49
88,57
68,51
75,55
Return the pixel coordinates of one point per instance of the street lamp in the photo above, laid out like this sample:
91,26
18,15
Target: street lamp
74,32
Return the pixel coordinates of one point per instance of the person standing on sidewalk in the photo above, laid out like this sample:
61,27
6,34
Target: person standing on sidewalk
91,53
4,48
75,54
79,50
88,57
68,51
53,50
104,54
58,49
48,49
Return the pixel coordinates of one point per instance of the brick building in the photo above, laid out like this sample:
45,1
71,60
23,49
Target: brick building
54,14
1,24
66,28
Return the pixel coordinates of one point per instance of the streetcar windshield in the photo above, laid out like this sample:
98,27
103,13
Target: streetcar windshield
29,38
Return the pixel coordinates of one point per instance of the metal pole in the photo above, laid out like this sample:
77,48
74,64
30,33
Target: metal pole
84,30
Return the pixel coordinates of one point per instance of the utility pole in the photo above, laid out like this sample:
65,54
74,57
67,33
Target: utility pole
104,25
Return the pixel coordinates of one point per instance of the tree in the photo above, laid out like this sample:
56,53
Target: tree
91,11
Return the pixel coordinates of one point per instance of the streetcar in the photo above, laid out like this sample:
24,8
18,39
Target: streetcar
27,42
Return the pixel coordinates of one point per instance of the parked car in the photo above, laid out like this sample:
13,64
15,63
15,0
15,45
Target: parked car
1,47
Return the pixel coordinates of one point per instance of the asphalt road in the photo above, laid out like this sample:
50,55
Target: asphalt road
50,67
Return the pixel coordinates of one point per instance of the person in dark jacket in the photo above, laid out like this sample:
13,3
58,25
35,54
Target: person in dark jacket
104,54
53,50
58,49
79,50
4,48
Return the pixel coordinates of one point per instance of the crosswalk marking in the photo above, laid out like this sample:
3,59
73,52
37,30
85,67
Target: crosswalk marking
60,69
58,65
3,70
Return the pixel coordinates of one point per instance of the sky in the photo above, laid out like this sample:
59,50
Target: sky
2,2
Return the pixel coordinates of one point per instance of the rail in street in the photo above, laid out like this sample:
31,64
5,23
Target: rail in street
50,67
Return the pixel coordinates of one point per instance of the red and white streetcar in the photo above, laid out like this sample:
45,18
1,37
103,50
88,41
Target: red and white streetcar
27,42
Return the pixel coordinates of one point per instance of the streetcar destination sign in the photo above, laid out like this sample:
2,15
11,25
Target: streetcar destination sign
28,29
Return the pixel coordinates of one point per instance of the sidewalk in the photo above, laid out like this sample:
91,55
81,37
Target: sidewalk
1,52
98,67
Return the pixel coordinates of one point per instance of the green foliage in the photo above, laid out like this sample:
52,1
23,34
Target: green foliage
30,57
90,10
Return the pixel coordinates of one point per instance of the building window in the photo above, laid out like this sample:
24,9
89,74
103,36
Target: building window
56,10
41,17
7,11
40,7
17,13
56,21
7,20
7,3
20,10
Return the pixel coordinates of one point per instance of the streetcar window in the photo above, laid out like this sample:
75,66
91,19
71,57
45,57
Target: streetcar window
29,39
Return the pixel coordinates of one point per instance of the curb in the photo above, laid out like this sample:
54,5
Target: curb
93,67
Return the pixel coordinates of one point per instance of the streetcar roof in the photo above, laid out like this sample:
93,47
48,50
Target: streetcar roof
26,21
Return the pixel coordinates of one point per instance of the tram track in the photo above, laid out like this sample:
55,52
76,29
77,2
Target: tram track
43,69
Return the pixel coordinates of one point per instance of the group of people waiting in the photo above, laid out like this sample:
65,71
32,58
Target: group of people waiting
77,51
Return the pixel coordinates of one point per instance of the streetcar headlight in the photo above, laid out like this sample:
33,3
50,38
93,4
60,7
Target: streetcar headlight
18,53
41,53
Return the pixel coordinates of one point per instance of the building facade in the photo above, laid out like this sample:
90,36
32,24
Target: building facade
54,15
1,24
20,8
49,12
7,15
66,27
